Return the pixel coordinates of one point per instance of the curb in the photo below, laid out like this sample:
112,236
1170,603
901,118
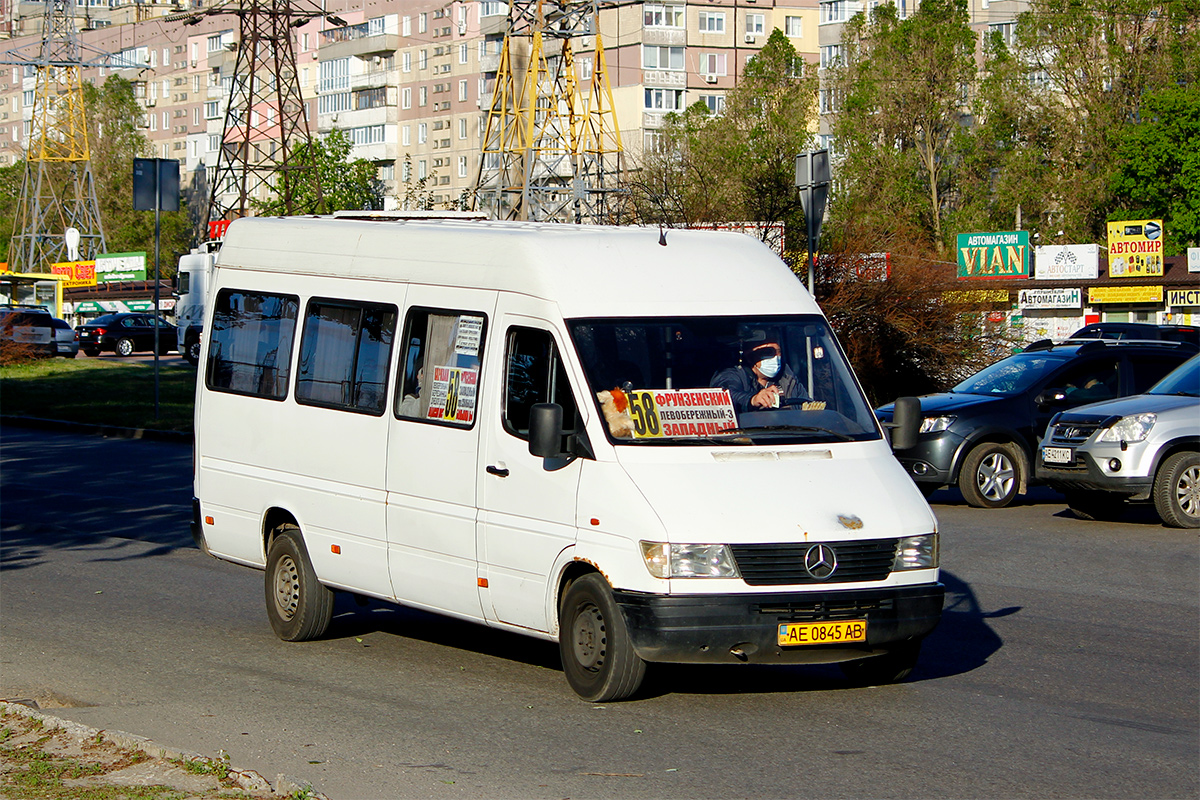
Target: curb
245,779
111,431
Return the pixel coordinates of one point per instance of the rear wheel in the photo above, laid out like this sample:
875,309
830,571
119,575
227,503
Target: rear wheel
191,350
124,347
991,475
1177,490
1095,505
597,655
298,605
879,670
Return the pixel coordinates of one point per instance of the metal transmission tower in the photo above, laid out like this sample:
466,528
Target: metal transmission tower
58,192
264,120
551,151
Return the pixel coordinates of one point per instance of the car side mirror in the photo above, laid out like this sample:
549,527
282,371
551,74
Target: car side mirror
545,430
906,422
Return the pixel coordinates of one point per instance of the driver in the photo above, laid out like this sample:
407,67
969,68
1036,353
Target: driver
761,381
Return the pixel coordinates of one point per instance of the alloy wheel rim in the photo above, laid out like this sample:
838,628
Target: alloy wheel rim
1187,491
995,477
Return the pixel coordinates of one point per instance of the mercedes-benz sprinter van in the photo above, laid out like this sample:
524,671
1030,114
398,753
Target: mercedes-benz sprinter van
646,446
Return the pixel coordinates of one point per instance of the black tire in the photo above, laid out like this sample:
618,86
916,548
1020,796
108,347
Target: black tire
191,351
991,475
91,352
597,655
892,667
124,347
298,605
1177,490
1099,506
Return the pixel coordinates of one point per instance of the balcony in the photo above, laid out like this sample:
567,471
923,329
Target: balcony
356,40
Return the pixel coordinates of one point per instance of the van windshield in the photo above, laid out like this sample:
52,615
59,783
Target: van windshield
728,380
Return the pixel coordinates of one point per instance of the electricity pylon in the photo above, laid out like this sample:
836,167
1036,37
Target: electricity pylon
551,151
264,119
58,192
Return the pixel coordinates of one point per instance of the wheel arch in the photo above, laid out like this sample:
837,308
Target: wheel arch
1172,447
272,519
571,571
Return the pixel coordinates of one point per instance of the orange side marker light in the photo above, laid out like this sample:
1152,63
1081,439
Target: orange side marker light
336,549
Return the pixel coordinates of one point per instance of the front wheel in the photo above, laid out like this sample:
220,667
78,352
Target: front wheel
991,475
1177,490
191,351
880,670
124,347
597,655
298,605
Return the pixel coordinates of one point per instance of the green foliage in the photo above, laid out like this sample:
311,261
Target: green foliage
739,165
1158,173
340,183
11,178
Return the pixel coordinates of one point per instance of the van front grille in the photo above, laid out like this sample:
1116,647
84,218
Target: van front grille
783,564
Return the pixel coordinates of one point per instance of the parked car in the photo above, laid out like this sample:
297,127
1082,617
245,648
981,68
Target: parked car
65,342
1139,330
125,334
28,328
1145,447
984,432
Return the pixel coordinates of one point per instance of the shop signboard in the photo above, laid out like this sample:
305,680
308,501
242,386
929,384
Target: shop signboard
1066,262
976,296
78,273
1194,259
118,306
1050,298
113,267
993,256
1125,294
1135,248
1183,297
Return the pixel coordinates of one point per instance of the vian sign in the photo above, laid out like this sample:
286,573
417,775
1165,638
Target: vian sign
990,256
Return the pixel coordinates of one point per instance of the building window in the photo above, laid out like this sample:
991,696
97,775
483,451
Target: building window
214,142
712,64
755,24
493,8
793,27
335,75
423,59
715,102
462,128
462,90
406,62
406,135
406,97
831,54
424,94
422,132
422,22
214,43
655,57
462,166
463,53
406,26
664,99
834,11
712,22
660,16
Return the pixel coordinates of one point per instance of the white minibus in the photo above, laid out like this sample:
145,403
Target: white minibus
647,446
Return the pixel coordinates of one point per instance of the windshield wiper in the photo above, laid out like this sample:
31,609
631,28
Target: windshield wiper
778,429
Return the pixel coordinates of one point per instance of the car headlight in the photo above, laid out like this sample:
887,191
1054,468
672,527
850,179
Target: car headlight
935,424
1133,428
689,560
916,552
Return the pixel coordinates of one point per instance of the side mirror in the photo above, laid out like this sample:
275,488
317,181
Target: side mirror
545,430
906,422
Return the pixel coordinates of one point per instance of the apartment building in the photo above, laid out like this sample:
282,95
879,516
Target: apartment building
410,81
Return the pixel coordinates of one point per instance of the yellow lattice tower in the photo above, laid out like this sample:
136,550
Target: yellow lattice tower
550,151
59,124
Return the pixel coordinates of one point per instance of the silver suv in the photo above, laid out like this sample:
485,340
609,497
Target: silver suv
1142,447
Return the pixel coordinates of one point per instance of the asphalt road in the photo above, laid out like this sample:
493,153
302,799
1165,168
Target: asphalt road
1067,665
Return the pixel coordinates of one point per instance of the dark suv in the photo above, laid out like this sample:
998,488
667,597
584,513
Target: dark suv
1139,330
983,433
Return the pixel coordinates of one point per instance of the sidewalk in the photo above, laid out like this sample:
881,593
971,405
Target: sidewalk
47,757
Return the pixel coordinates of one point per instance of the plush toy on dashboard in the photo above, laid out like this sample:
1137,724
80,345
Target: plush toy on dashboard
615,406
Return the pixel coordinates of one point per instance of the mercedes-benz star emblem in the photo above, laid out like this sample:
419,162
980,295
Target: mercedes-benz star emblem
820,561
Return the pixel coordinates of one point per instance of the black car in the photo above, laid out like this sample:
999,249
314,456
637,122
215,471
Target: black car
983,433
125,334
1139,330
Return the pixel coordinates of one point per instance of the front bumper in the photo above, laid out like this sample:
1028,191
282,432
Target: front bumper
1086,474
728,629
932,460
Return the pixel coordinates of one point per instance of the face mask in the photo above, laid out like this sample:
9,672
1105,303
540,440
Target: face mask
769,367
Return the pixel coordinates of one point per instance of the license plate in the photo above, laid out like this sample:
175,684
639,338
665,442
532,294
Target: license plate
1058,455
803,633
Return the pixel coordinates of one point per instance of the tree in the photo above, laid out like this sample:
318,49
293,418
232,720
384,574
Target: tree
344,184
11,178
902,87
1158,173
740,164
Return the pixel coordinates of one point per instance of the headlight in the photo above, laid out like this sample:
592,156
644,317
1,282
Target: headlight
689,560
916,552
1129,429
935,424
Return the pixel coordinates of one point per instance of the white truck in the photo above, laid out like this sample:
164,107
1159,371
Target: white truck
192,279
648,448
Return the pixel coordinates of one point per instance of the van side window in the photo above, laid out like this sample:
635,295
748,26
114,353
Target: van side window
535,374
439,369
250,346
344,353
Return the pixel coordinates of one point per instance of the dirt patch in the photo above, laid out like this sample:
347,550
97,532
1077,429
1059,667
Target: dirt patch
47,758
